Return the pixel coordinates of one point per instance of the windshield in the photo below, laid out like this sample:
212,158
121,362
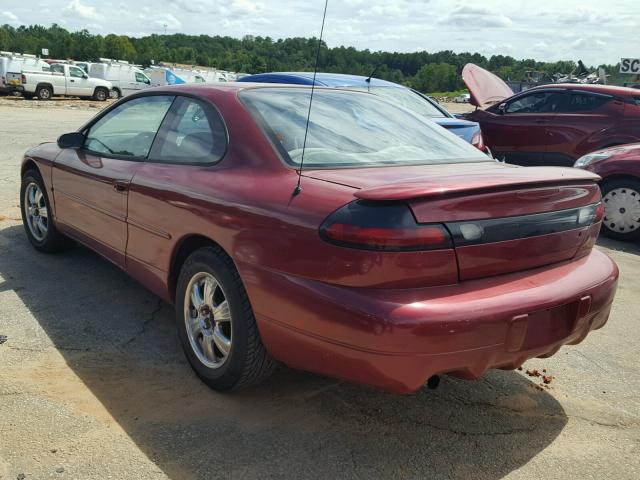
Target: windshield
406,98
351,129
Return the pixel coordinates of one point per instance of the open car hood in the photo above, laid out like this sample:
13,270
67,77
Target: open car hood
486,89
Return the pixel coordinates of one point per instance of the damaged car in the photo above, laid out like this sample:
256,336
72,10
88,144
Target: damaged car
553,124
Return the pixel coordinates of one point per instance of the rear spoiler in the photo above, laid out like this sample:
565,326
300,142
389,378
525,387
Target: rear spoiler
432,186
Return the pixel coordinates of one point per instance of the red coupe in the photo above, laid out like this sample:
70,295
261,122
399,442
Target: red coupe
406,253
619,168
551,124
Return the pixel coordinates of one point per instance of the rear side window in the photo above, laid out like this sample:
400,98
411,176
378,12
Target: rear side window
193,133
129,129
583,102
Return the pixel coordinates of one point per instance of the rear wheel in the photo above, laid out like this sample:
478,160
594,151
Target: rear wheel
216,324
621,198
100,94
115,93
36,215
44,93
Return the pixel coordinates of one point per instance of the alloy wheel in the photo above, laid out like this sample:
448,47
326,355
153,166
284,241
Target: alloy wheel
207,318
36,211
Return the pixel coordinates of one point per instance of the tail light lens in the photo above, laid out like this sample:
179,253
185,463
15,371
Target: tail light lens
477,141
387,227
23,78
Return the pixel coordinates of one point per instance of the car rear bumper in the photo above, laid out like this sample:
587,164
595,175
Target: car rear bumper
397,339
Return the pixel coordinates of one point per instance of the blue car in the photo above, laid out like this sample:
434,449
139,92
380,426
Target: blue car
398,94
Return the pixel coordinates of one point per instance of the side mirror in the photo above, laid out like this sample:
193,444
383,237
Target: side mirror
71,140
84,75
502,108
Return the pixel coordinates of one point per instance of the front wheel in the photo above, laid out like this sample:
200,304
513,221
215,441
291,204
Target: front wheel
36,215
621,198
216,324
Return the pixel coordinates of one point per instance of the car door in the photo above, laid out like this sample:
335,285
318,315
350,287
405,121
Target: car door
78,82
584,122
166,199
91,184
516,131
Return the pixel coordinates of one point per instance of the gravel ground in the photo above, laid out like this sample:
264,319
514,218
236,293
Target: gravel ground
93,383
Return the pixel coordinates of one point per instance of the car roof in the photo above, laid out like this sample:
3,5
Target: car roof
604,89
322,79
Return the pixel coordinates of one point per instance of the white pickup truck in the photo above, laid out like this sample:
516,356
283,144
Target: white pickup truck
63,79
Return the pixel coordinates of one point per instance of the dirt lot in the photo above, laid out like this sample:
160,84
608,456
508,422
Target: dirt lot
93,383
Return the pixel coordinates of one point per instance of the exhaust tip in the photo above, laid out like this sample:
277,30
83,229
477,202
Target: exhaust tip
433,382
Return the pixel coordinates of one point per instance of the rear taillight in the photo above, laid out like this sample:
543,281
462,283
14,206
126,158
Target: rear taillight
477,141
380,226
23,78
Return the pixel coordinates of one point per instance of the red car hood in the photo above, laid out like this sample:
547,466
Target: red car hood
409,182
486,89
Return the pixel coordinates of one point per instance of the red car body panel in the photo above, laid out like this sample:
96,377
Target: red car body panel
551,138
624,161
485,88
389,319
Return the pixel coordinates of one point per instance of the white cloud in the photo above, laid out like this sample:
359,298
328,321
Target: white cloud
586,15
75,8
9,17
469,16
167,20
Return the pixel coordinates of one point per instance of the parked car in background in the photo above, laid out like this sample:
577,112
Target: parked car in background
11,67
464,98
161,76
619,168
552,124
125,78
63,79
439,259
398,94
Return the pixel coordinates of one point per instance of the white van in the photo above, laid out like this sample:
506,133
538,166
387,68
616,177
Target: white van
11,66
126,78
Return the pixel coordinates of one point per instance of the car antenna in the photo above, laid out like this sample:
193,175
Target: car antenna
368,80
298,188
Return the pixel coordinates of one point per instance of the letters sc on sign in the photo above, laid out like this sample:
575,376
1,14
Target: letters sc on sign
630,65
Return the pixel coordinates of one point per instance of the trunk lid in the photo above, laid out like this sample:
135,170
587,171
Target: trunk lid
502,218
486,89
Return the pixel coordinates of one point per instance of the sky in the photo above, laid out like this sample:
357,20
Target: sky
548,30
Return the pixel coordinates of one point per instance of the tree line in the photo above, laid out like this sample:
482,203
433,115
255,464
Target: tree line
424,71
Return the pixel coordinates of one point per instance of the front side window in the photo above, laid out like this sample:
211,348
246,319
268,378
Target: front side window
76,72
193,133
140,78
538,102
129,129
351,129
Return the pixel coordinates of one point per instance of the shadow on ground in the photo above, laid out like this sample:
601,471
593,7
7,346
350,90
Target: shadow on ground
627,247
121,342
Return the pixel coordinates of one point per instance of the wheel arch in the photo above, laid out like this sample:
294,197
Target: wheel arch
45,84
618,176
183,248
29,164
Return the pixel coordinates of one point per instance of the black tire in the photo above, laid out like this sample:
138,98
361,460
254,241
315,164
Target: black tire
627,186
115,93
52,241
44,93
100,94
248,362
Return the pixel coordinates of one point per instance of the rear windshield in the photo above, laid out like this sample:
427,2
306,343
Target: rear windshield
351,129
406,98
